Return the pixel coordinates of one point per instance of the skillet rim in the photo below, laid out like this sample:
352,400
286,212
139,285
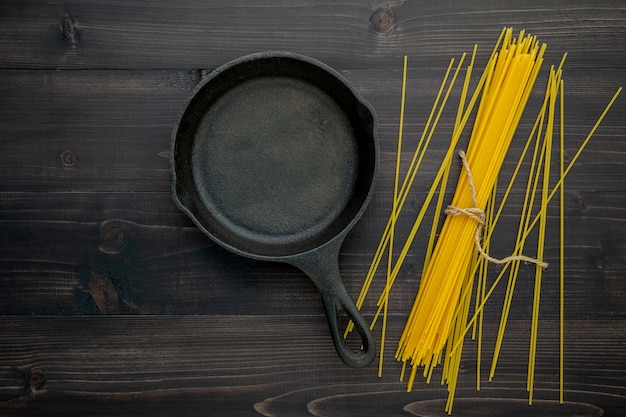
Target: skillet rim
337,237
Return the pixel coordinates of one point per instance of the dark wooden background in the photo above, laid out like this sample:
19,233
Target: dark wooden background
113,303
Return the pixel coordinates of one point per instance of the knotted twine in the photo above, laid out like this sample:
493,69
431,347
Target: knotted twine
478,215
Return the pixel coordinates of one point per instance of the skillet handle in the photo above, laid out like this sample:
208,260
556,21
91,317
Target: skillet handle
337,299
322,267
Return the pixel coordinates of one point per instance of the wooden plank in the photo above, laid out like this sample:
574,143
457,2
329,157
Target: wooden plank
249,365
129,253
188,34
135,253
74,130
110,130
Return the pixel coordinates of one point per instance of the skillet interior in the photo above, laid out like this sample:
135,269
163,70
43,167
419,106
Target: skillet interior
274,156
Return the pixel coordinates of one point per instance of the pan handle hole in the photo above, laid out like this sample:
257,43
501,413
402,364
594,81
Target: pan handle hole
353,340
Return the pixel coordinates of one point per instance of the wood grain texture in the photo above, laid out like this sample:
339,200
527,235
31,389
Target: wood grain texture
65,253
115,126
189,34
114,303
263,365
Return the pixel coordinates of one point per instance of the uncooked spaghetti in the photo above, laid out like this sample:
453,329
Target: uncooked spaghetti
431,322
438,321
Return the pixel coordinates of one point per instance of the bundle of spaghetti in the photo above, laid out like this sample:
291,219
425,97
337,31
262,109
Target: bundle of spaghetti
431,323
439,317
441,179
539,174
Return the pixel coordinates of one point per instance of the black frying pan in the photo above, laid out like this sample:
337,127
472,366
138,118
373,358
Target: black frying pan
274,158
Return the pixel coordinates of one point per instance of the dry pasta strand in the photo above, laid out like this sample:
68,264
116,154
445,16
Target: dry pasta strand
404,190
561,246
552,87
394,217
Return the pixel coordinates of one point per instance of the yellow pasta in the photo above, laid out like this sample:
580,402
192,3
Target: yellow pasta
404,191
530,225
431,322
561,247
525,216
457,256
394,217
552,87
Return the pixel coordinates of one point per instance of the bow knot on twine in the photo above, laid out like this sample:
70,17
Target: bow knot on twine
477,214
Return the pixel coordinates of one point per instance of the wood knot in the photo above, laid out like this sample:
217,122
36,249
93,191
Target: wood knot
113,238
383,20
104,294
68,159
36,379
70,30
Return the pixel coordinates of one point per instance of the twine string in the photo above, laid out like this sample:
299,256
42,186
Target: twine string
478,215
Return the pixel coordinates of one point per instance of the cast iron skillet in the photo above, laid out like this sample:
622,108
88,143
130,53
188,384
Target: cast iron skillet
274,158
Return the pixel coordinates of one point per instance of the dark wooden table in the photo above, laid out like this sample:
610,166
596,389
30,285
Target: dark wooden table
114,303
